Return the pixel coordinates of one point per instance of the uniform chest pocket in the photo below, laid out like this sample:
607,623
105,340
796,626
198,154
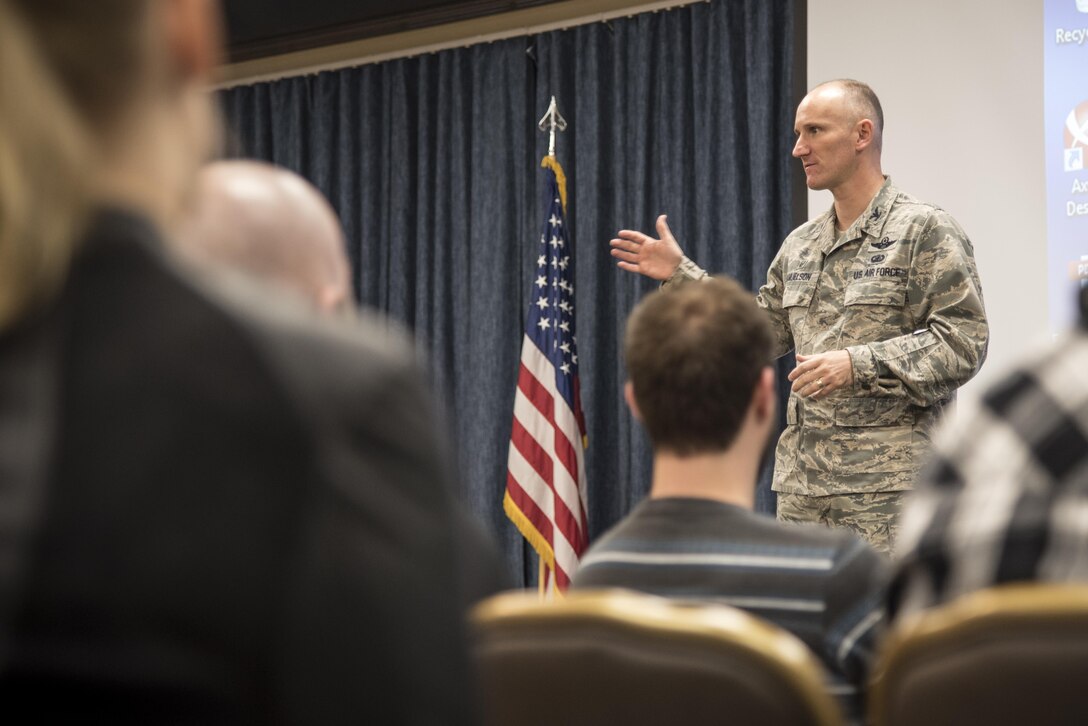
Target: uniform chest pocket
877,291
798,294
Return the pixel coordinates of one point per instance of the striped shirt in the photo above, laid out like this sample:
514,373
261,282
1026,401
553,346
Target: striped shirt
824,586
1005,498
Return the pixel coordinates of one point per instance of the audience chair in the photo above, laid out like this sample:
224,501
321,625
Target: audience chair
620,657
1014,654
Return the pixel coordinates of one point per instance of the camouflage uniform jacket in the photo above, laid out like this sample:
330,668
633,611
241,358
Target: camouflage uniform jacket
900,292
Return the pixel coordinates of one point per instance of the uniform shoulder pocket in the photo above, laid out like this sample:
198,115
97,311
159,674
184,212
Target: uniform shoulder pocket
798,294
877,291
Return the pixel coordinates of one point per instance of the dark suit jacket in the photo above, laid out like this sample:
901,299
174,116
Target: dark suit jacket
243,516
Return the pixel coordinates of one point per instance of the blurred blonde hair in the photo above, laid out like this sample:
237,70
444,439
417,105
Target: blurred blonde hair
66,68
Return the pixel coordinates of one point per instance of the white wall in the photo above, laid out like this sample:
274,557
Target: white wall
961,83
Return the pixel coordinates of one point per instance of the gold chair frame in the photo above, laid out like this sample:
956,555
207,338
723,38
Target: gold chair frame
968,620
708,625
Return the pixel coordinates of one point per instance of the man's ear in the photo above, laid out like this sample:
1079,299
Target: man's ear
193,36
629,396
765,397
864,131
331,299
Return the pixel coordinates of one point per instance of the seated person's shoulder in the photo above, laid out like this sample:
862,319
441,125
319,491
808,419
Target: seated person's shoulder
316,357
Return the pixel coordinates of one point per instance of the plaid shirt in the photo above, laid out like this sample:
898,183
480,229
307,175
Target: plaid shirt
1005,497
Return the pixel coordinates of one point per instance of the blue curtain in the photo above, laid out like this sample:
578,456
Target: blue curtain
433,165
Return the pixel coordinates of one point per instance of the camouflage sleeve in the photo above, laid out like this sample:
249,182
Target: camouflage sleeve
949,342
769,299
685,272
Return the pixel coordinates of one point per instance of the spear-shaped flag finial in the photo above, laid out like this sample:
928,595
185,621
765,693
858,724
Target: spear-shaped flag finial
552,122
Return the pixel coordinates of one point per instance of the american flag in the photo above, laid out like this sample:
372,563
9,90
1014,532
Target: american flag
546,475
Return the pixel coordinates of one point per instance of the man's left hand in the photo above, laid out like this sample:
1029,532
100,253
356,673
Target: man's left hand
817,376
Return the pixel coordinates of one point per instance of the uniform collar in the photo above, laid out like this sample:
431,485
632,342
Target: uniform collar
870,222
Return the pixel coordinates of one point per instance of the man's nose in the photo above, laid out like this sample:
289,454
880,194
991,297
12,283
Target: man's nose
800,149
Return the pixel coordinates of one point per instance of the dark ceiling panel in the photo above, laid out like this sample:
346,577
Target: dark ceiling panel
259,28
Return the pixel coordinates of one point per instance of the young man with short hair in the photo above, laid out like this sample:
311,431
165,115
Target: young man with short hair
698,362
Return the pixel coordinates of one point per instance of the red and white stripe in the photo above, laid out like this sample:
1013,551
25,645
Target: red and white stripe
546,467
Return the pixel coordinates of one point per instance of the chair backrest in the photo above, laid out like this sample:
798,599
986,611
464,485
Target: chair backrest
1014,654
619,657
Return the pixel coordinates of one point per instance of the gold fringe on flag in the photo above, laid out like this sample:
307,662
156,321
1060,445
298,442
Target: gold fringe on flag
550,162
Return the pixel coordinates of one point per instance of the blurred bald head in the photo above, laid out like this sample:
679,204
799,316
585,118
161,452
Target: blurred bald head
273,224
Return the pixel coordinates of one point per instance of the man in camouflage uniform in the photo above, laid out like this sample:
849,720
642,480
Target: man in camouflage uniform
880,299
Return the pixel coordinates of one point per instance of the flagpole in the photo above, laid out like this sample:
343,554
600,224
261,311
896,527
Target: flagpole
551,122
549,363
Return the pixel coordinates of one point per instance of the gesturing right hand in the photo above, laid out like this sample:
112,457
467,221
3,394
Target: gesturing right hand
637,252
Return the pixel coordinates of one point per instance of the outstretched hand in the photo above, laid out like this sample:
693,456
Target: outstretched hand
817,376
638,252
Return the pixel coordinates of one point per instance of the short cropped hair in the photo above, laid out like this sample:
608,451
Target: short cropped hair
864,103
694,355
